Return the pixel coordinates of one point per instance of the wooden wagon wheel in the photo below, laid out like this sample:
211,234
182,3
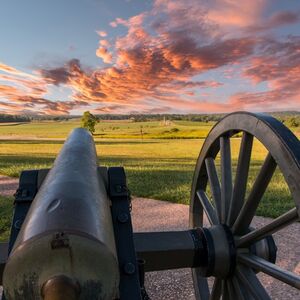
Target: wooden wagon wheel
236,251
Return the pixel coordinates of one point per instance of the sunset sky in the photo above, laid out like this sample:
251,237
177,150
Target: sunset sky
143,56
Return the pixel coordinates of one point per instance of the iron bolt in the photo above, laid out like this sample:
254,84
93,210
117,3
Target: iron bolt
18,224
123,217
120,188
129,268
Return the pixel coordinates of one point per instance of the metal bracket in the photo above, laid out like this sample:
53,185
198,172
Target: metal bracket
29,184
23,197
120,210
28,187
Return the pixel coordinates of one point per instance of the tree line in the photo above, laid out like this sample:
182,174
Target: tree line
4,118
291,119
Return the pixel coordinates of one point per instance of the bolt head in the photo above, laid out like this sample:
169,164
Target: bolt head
123,217
129,268
18,224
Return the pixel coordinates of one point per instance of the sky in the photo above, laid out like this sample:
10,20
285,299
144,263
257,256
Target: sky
142,56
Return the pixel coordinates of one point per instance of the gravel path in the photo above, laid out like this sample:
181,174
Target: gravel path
8,185
155,215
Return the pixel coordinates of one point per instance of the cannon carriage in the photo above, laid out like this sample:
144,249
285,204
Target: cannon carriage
72,238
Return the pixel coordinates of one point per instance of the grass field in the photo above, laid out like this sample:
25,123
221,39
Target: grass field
6,207
108,129
155,168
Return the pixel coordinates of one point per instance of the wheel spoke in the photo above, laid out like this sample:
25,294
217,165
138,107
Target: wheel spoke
208,208
214,183
226,177
216,289
251,282
200,286
230,289
264,266
277,224
259,187
239,289
196,214
240,183
225,292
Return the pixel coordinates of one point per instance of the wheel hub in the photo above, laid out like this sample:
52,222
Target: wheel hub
221,251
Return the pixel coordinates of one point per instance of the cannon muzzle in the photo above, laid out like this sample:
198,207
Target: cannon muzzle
66,247
60,288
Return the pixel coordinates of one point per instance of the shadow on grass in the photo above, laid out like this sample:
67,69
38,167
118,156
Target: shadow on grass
126,141
97,142
159,178
12,165
14,124
130,161
32,142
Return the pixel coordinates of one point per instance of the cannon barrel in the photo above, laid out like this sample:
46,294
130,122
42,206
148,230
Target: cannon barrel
66,247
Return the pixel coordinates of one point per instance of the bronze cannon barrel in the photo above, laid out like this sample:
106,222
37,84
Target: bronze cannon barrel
66,244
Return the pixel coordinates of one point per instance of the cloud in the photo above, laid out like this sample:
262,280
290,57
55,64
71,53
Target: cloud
55,76
22,92
278,19
103,53
11,70
117,22
152,69
235,13
104,43
156,65
279,66
101,33
8,69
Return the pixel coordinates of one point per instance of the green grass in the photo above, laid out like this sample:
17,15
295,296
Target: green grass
121,129
6,208
160,169
110,130
156,168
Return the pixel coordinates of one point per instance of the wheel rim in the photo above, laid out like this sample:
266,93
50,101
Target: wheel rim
229,207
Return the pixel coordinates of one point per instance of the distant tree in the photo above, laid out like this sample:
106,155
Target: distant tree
4,118
292,122
88,121
174,130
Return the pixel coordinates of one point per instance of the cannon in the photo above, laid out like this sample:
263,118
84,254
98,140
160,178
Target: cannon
72,238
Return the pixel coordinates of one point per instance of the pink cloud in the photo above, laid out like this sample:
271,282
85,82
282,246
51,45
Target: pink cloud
153,66
157,68
235,13
279,66
104,43
102,33
113,24
278,19
118,21
24,92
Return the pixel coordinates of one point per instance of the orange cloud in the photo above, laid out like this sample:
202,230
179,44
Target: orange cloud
11,70
152,72
103,53
153,66
8,69
25,93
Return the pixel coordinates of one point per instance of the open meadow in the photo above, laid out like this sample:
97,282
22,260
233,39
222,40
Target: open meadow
159,163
